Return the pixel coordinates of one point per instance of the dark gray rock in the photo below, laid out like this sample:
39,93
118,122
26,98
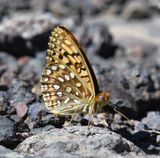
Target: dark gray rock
18,4
97,39
38,117
6,129
121,97
29,35
30,69
3,102
8,68
26,37
88,7
7,132
35,109
18,92
136,10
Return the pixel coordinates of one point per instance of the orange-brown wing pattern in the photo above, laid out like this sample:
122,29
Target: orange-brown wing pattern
68,82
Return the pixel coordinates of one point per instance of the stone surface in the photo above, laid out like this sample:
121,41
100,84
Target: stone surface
152,120
3,102
7,132
17,92
6,129
136,10
6,153
80,141
21,109
26,37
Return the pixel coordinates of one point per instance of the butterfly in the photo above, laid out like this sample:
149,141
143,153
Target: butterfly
68,82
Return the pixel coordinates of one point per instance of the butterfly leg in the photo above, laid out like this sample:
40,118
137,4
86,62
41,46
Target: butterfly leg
100,119
123,116
66,125
90,121
104,122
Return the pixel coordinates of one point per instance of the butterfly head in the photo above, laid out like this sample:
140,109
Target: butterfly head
101,100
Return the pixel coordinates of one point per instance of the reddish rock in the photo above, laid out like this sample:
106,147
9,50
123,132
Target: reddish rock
21,109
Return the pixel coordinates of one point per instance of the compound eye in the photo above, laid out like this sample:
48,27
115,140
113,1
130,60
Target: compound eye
101,98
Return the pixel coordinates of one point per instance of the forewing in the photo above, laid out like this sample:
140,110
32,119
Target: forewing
68,82
64,48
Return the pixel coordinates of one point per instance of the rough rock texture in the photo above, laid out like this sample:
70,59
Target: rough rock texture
6,129
19,36
78,141
6,153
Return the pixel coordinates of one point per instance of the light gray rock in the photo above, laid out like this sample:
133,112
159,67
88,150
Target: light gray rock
6,153
78,141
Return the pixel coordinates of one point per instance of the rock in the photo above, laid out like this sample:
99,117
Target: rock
35,109
18,4
29,34
21,109
87,7
145,141
18,92
8,68
154,7
6,153
139,126
22,128
38,117
136,10
3,102
32,69
100,42
6,129
152,120
9,136
69,141
146,89
34,131
121,97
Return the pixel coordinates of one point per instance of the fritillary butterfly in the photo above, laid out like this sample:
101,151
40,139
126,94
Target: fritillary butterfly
68,83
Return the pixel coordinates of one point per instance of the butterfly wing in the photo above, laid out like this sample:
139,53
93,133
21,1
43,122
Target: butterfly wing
68,82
